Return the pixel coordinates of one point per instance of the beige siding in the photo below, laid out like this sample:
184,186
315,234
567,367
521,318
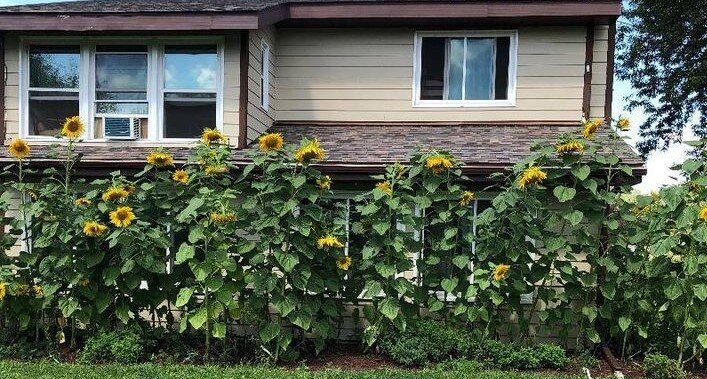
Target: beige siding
260,119
599,66
231,87
12,86
367,75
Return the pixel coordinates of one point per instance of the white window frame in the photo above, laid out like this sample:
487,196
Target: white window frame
264,76
512,70
87,94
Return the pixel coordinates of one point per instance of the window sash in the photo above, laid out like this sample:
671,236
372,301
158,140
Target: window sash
265,76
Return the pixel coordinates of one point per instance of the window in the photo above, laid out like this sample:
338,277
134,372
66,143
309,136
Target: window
53,93
265,76
158,89
465,69
190,90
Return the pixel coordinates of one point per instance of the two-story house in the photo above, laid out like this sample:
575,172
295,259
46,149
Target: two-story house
371,79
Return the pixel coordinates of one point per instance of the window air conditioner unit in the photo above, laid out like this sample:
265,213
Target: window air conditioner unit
121,128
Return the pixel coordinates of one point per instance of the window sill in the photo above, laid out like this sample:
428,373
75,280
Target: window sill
464,104
177,142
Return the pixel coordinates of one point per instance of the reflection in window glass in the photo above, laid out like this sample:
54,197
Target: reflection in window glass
48,110
190,67
190,80
464,68
121,80
54,67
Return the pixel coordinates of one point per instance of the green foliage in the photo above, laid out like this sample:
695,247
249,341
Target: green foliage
124,347
14,370
425,341
514,356
658,366
664,62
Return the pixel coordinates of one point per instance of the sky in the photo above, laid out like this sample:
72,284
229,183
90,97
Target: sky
658,163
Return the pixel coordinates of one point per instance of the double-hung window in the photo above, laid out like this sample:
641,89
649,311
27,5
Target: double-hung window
158,89
465,68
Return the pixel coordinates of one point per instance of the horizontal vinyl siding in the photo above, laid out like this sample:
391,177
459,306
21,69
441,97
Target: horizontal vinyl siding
12,87
231,87
599,66
259,119
367,75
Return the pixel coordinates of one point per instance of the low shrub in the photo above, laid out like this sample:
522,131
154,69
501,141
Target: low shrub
659,366
122,347
425,341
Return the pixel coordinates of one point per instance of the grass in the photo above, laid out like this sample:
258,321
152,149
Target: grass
12,370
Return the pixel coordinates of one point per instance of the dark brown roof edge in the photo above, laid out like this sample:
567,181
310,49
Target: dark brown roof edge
330,12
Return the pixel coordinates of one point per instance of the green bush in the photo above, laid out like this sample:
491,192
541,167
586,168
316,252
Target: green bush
503,355
425,341
121,347
659,366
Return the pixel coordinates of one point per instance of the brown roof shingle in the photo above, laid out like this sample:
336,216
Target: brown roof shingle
368,148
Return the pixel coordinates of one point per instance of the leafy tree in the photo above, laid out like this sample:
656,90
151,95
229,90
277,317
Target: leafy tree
663,54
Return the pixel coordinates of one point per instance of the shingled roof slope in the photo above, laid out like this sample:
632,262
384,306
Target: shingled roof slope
368,148
170,6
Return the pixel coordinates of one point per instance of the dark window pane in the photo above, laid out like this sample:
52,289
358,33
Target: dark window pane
133,95
121,72
54,67
432,70
502,62
121,49
47,114
190,67
187,119
173,96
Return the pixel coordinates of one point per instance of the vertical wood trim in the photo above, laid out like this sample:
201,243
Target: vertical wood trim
3,79
611,55
588,63
243,90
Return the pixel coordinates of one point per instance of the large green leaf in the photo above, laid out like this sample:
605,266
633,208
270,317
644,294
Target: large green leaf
389,307
198,318
184,253
269,331
184,296
450,284
564,194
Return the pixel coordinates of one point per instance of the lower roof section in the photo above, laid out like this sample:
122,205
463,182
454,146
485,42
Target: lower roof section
364,148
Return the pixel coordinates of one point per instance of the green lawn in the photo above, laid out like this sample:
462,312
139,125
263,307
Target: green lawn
11,370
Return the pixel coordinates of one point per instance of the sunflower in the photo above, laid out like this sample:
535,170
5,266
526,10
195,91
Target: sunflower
343,263
328,242
308,151
530,176
3,291
216,170
93,229
38,291
160,159
129,188
438,163
180,176
73,128
466,198
572,146
270,142
324,183
122,216
82,202
590,127
115,193
385,187
623,124
18,149
703,213
22,290
210,136
500,272
222,218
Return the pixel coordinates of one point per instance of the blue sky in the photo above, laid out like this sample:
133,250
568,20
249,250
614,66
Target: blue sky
658,163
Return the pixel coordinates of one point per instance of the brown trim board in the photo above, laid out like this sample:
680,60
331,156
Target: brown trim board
243,90
588,63
3,78
610,61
